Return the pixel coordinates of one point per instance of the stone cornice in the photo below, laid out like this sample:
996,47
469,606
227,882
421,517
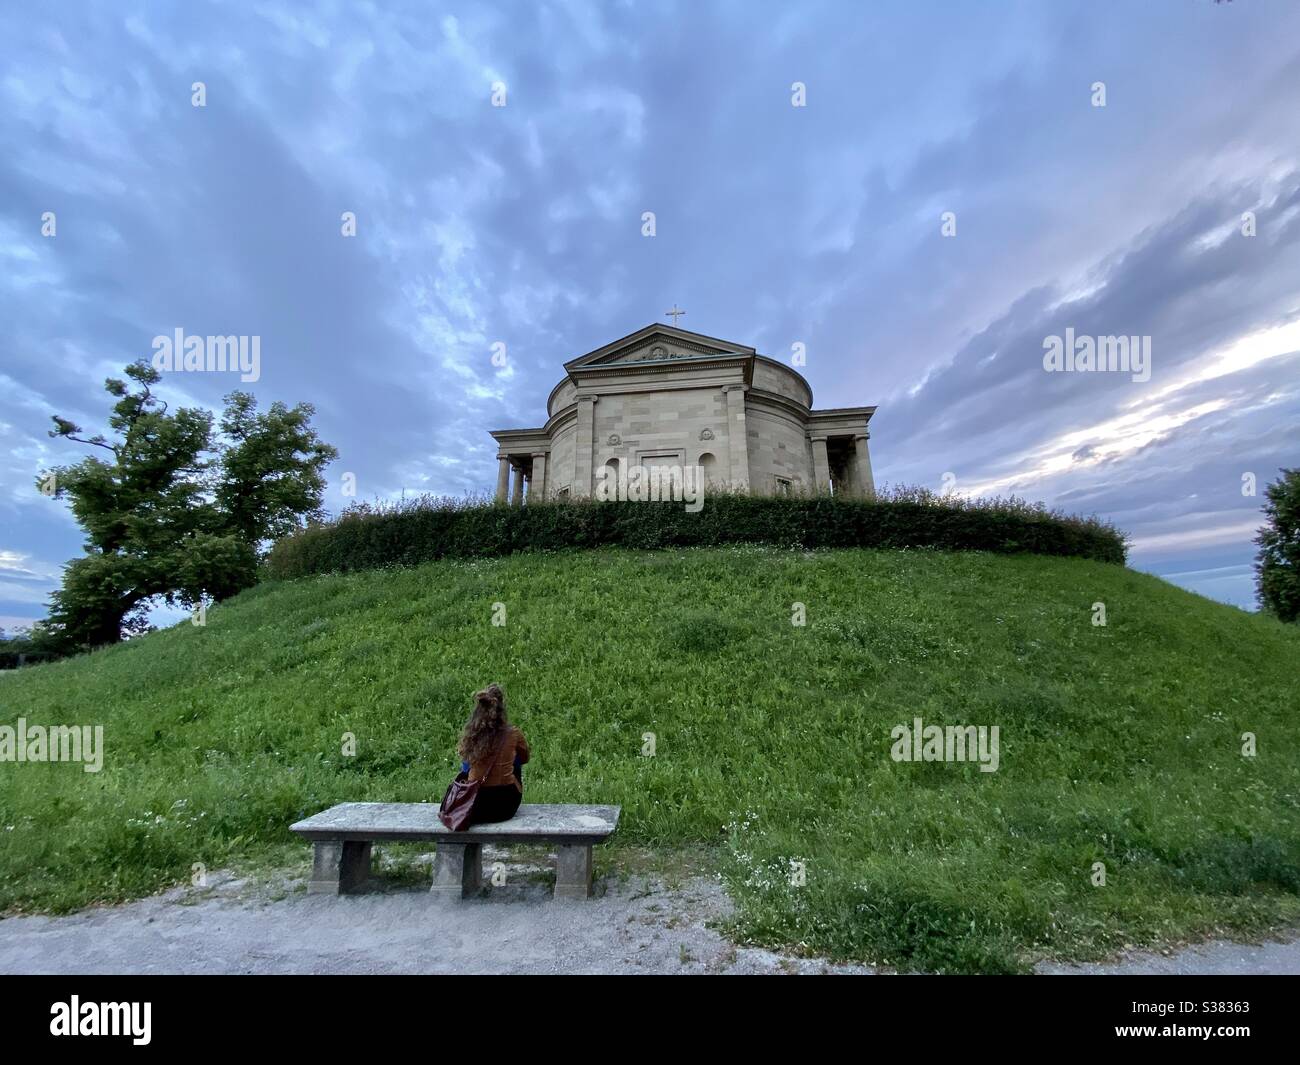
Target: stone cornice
664,366
759,397
517,442
498,434
687,368
839,412
560,420
671,332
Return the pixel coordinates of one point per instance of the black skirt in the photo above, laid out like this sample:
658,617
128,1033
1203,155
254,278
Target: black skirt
493,804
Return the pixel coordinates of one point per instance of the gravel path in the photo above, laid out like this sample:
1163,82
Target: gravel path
1216,959
635,926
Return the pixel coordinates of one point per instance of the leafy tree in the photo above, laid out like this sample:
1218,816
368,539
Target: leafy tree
172,515
272,475
1278,564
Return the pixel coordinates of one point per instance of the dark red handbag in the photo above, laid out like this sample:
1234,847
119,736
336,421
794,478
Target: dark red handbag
458,802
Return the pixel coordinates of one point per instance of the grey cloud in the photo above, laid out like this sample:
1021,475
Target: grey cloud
776,224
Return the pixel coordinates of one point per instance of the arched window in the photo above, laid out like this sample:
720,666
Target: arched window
709,469
612,490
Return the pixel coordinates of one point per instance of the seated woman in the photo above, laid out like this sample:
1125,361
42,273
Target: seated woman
493,751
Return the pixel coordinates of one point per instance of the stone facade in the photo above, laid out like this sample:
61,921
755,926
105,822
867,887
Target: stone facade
666,396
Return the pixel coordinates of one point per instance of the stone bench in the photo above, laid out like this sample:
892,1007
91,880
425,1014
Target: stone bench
343,835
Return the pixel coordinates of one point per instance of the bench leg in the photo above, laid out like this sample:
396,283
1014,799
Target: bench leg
339,868
573,872
457,870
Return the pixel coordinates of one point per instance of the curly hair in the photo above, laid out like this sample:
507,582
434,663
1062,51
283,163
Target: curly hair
486,725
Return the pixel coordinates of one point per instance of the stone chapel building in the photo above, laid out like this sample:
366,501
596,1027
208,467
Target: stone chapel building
666,396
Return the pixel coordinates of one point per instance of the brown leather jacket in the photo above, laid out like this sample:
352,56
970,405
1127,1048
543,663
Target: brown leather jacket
502,770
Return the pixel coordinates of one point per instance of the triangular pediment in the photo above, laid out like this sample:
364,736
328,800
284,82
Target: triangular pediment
658,343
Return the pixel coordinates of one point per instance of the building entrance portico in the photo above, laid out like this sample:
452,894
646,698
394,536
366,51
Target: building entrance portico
520,477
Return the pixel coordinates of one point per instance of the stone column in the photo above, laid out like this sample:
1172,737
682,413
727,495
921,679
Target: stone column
339,867
866,483
517,489
821,465
457,870
737,437
537,483
503,479
583,448
573,871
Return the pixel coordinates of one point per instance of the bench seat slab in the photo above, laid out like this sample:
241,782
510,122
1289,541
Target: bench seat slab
413,822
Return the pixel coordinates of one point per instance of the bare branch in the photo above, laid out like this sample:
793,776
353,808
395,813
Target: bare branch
97,443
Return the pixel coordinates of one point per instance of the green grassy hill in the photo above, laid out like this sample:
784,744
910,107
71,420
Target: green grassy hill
1119,744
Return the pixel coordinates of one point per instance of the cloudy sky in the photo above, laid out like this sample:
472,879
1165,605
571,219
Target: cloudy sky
775,225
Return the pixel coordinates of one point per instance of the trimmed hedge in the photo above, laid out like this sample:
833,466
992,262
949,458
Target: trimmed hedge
428,528
15,659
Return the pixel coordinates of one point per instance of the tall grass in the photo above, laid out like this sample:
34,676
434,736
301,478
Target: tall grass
1119,744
